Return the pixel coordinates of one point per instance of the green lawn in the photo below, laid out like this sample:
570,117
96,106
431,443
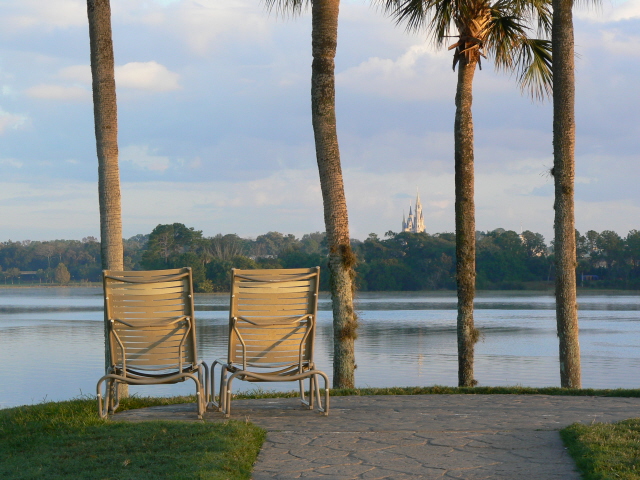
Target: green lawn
605,451
68,440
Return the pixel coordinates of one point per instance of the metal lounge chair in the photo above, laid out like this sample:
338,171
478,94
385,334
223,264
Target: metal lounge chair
151,333
272,326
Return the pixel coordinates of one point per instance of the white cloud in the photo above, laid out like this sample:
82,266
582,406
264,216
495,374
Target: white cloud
421,73
613,11
10,120
418,74
143,159
45,15
59,92
149,76
11,162
202,23
620,44
76,73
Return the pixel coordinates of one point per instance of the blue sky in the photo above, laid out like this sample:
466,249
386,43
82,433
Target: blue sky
215,129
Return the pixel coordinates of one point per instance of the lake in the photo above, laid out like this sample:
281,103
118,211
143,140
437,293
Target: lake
51,341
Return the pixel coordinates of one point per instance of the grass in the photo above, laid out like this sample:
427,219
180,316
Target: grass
67,440
442,390
605,451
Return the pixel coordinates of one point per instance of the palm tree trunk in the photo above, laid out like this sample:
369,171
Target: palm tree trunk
564,175
324,38
106,129
465,222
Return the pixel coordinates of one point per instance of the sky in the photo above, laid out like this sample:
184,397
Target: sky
215,127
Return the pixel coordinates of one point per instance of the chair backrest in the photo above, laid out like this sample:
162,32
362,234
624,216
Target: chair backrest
152,319
272,317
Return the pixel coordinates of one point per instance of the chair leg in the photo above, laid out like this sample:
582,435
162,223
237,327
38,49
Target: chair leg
114,394
326,394
303,400
312,382
103,404
223,389
227,402
204,382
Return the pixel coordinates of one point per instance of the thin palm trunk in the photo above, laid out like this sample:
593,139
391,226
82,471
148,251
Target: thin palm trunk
106,130
341,259
465,221
564,175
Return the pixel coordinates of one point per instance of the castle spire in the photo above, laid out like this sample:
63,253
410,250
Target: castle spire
415,222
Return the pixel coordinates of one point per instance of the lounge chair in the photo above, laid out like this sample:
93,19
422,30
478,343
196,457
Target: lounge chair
272,326
151,331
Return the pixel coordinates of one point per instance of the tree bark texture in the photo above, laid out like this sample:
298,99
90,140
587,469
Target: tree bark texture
105,115
106,129
564,176
324,38
465,221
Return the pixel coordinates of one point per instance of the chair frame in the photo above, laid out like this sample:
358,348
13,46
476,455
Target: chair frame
242,365
154,330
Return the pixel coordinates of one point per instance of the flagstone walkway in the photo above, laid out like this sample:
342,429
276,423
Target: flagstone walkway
468,437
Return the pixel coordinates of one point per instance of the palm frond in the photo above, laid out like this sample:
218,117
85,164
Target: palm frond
535,68
286,7
541,12
433,16
506,33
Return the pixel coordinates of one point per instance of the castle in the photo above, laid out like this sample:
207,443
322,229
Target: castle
415,222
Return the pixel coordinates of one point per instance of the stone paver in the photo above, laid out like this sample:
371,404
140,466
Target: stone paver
465,437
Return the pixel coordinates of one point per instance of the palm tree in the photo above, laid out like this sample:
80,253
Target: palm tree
106,127
324,38
564,173
501,29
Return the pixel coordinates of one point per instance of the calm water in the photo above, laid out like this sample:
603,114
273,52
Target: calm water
51,341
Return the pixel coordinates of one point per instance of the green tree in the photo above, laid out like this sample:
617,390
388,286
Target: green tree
12,273
611,247
499,28
168,241
324,41
633,247
61,275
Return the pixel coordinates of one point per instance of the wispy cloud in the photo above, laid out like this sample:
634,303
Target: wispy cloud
59,92
144,159
10,121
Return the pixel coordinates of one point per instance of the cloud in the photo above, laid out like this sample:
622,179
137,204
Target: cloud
419,73
618,43
10,121
201,25
59,92
76,73
143,159
11,162
47,15
614,11
149,76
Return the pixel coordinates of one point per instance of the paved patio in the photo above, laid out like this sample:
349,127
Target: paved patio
414,436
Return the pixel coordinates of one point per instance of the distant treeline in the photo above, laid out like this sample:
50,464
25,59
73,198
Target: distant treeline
399,261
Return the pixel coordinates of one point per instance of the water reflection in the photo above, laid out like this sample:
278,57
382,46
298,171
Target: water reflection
51,341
